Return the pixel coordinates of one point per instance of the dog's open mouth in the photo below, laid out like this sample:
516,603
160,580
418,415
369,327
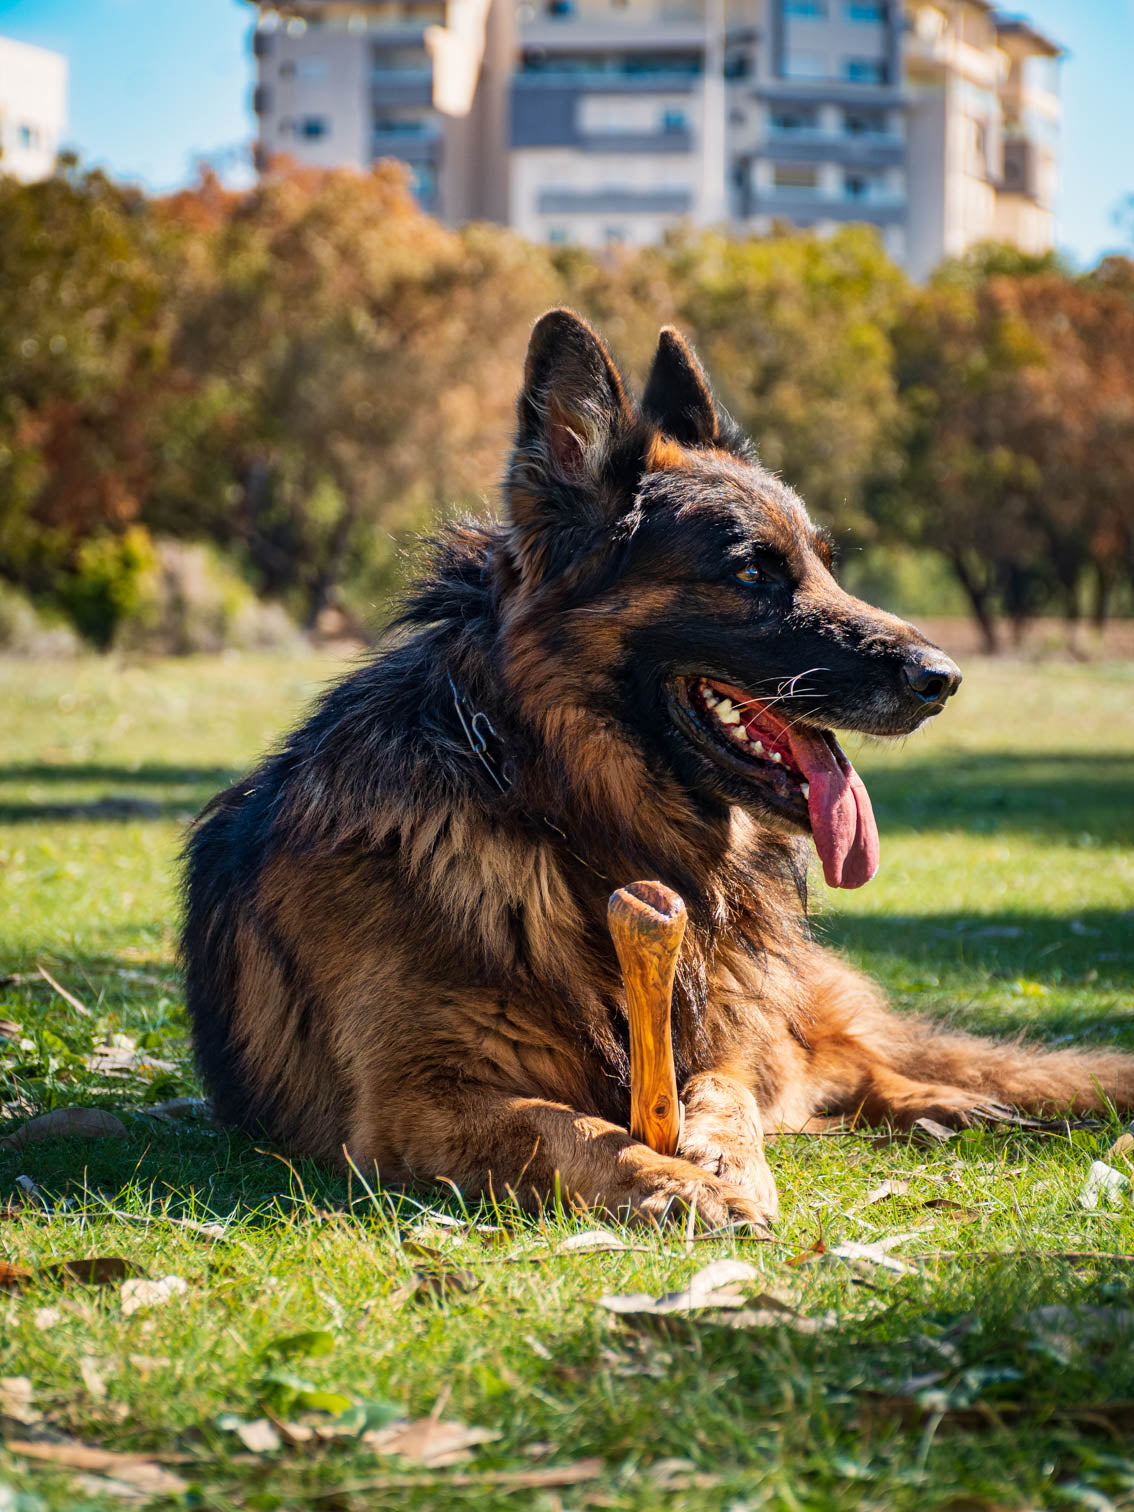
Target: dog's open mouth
801,773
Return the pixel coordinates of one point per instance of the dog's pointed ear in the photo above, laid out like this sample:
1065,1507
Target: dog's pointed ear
573,403
577,441
678,399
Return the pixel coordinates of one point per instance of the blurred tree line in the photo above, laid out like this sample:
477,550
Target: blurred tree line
305,375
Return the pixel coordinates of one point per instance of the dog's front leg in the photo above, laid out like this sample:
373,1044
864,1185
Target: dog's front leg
722,1134
489,1143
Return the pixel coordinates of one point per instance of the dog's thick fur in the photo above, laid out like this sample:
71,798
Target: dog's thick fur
396,932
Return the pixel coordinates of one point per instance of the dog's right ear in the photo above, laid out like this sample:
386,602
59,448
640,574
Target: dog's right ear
577,442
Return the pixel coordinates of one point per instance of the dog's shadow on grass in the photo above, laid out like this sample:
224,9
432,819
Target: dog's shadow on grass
1084,797
154,790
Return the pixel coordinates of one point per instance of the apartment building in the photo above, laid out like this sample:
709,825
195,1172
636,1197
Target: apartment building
983,129
424,81
607,122
33,109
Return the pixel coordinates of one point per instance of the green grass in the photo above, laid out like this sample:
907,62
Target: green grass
1006,901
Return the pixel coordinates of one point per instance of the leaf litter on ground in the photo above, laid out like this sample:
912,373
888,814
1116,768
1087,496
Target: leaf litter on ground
66,1123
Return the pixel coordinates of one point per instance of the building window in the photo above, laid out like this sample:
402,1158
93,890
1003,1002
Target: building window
28,136
312,69
261,99
860,10
812,9
423,181
865,123
800,65
614,236
674,120
796,177
558,236
560,7
314,126
865,71
787,119
859,185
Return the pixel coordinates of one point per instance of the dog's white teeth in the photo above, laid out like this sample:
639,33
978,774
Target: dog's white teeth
739,734
805,789
729,716
724,706
776,756
758,747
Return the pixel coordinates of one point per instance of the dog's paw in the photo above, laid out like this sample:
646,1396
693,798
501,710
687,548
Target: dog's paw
713,1203
738,1164
721,1133
952,1107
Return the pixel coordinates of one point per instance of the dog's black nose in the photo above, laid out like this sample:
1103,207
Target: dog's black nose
933,677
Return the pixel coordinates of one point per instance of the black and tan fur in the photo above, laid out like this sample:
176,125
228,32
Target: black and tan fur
395,939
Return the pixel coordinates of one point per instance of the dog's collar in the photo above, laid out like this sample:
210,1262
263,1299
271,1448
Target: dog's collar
485,744
478,728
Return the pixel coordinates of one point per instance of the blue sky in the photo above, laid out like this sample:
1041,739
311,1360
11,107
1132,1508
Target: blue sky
157,83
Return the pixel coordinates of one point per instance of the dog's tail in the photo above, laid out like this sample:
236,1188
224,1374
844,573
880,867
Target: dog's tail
895,1068
1025,1076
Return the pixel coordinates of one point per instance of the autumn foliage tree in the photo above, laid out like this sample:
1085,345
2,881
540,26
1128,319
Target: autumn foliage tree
306,374
1018,420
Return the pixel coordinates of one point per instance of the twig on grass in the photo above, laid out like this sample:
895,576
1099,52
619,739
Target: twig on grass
68,997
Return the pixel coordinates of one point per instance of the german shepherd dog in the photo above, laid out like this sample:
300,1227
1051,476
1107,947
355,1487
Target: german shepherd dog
396,932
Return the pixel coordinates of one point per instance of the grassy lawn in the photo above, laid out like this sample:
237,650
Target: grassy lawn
1005,900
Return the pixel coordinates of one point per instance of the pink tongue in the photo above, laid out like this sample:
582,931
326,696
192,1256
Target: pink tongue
842,820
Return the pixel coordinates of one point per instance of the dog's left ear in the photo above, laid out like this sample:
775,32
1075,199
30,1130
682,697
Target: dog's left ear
678,399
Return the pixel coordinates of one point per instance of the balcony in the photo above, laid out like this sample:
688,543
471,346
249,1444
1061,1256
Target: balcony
422,146
865,150
649,142
401,86
807,207
611,201
580,33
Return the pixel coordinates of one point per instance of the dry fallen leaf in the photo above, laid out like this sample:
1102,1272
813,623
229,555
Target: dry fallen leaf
139,1294
1122,1147
9,1029
877,1254
67,1123
710,1287
887,1189
442,1283
14,1278
258,1436
428,1441
98,1270
140,1473
956,1210
175,1108
592,1242
932,1132
16,1400
1104,1184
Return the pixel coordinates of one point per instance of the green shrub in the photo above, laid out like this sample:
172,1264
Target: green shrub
25,631
108,584
191,599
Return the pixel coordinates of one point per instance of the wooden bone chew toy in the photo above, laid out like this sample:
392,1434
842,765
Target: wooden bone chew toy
647,924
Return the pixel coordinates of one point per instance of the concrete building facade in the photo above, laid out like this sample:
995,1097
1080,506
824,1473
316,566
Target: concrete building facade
33,109
607,122
423,81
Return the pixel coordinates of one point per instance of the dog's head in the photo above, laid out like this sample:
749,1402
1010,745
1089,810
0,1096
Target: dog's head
681,591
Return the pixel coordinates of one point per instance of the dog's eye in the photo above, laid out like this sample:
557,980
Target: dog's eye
752,574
